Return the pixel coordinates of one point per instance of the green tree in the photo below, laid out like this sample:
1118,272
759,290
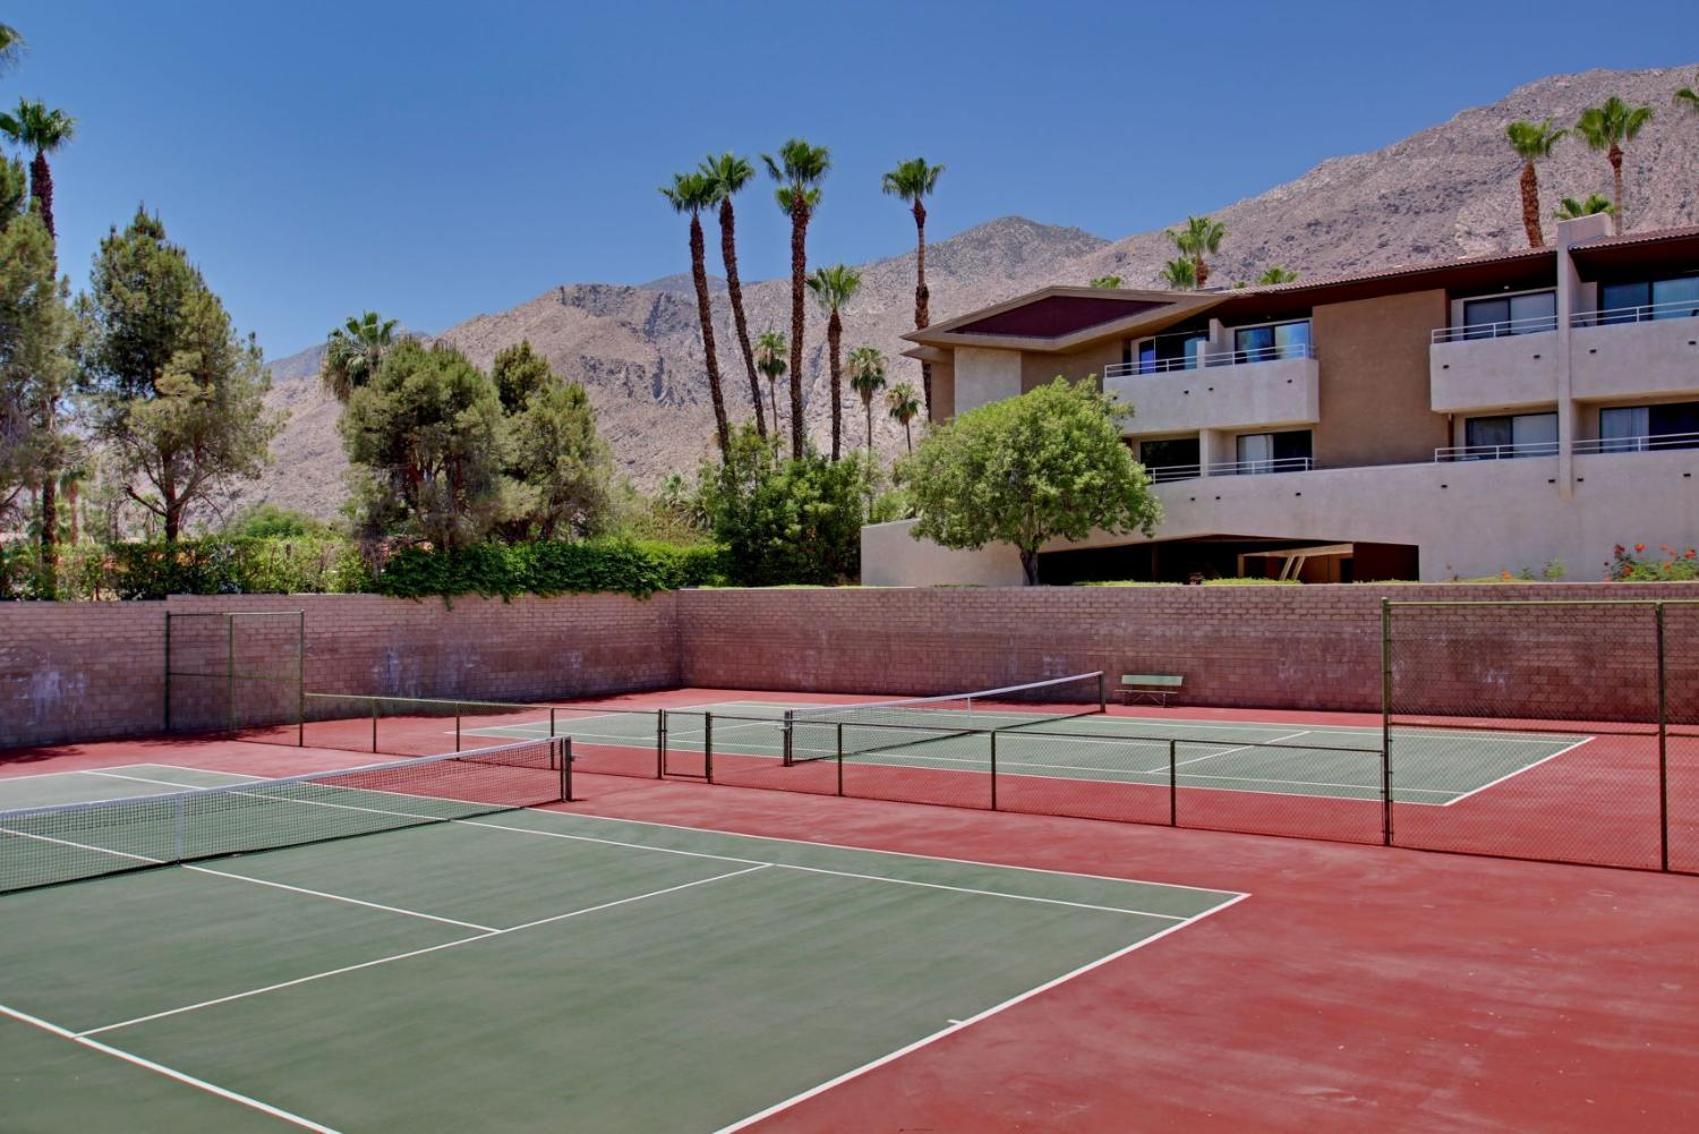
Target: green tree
1276,275
689,194
35,369
770,361
1569,208
563,469
1200,237
34,127
1049,464
913,181
1608,127
1532,141
1181,274
270,521
900,402
354,351
799,168
519,372
1107,283
833,287
14,189
428,434
727,174
867,378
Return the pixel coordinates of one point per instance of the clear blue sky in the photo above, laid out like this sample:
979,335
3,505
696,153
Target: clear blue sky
434,161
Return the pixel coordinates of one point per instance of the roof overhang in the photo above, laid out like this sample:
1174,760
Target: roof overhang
1060,319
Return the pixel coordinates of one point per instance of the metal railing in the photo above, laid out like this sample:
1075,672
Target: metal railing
1649,443
1450,453
1208,359
1162,474
1507,329
1263,468
1647,312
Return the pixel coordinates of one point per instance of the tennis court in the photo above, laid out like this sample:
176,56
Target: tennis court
469,962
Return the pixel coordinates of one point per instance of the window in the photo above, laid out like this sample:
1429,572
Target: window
1622,429
1633,429
1512,435
1170,352
1272,452
1274,341
1524,314
1632,301
1173,458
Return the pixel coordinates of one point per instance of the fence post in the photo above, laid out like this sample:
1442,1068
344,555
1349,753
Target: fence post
789,734
708,747
374,726
564,750
840,731
1663,745
1102,694
457,726
552,720
230,670
661,745
993,736
1173,784
301,680
168,671
1386,722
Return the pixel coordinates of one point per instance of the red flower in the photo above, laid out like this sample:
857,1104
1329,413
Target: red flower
1639,547
1691,553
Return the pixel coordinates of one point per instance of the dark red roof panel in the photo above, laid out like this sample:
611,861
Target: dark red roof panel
1057,315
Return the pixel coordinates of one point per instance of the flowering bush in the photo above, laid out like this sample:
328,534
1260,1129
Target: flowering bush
1672,564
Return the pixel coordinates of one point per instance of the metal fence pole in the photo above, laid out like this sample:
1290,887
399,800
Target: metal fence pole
168,671
230,670
301,680
661,745
993,736
552,720
1173,784
789,738
457,726
1663,744
374,725
564,752
1386,722
840,731
708,747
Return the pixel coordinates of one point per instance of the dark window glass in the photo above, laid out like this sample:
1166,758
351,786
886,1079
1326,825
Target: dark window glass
1510,315
1480,317
1292,444
1618,301
1674,426
1168,452
1683,293
1480,432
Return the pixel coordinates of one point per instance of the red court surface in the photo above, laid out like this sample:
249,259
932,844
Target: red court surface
1358,986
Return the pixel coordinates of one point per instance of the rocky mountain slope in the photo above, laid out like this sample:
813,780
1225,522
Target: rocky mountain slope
1447,191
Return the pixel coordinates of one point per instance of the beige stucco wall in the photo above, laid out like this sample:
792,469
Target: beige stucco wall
891,557
1635,360
1374,380
1264,395
984,376
943,391
1514,372
1037,369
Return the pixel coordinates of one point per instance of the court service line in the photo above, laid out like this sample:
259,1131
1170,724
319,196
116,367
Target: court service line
73,772
957,1026
1517,772
338,898
418,952
1230,751
168,1072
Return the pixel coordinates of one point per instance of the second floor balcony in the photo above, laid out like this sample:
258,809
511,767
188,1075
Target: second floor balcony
1265,386
1493,365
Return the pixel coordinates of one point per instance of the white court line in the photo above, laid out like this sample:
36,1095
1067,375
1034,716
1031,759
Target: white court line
337,898
957,1026
1230,751
73,772
420,952
1501,779
169,1072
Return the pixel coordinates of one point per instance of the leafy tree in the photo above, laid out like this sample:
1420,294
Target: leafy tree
770,361
1049,464
35,369
1532,141
900,402
427,431
34,127
519,372
867,378
1200,237
690,193
14,188
1107,283
1608,127
799,168
1277,275
563,468
176,393
913,181
269,521
1570,208
1180,274
833,287
354,351
727,174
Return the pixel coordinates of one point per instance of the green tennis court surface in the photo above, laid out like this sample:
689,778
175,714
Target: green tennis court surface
529,970
1433,766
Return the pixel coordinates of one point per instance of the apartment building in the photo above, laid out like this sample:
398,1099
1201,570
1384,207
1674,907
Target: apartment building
1443,420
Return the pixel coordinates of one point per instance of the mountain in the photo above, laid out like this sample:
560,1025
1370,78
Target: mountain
1445,192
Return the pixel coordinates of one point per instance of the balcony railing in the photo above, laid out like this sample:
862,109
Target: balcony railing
1162,474
1503,330
1210,359
1675,309
1495,452
1649,443
1262,468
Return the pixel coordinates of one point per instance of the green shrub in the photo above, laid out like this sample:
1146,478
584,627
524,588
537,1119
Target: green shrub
1636,566
550,567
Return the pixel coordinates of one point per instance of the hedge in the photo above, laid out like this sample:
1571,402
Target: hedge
551,568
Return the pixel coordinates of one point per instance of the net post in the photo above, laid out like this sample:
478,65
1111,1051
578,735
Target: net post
1663,744
301,679
1102,693
708,747
563,750
840,732
993,737
1386,722
789,737
661,745
1173,783
180,829
552,720
168,671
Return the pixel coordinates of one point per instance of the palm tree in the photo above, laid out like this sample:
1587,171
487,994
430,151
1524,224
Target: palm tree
1201,237
1607,127
1569,208
913,181
1532,141
1108,283
903,407
1181,274
770,361
867,377
11,46
690,193
729,174
45,131
353,353
1276,275
834,287
798,169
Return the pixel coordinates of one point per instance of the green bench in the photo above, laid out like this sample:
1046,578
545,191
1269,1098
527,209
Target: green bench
1157,687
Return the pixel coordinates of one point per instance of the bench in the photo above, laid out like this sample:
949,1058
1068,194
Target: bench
1157,687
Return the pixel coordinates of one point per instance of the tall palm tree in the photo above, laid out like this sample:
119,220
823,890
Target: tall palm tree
1532,141
1276,275
1107,283
11,47
1570,208
354,351
799,169
914,180
833,287
1201,237
1181,274
728,174
689,194
903,407
867,377
34,127
770,361
1608,127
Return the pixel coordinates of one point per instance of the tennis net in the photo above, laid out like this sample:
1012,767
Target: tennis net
42,846
853,730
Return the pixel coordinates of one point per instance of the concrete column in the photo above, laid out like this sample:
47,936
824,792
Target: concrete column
1206,449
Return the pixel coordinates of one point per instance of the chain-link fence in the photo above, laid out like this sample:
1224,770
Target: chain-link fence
235,672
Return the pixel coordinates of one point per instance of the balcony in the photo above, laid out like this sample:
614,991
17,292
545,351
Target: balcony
1263,468
1650,443
1162,474
1452,453
1493,365
1636,352
1269,386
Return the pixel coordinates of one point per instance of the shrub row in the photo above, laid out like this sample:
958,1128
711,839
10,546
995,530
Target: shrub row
551,568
